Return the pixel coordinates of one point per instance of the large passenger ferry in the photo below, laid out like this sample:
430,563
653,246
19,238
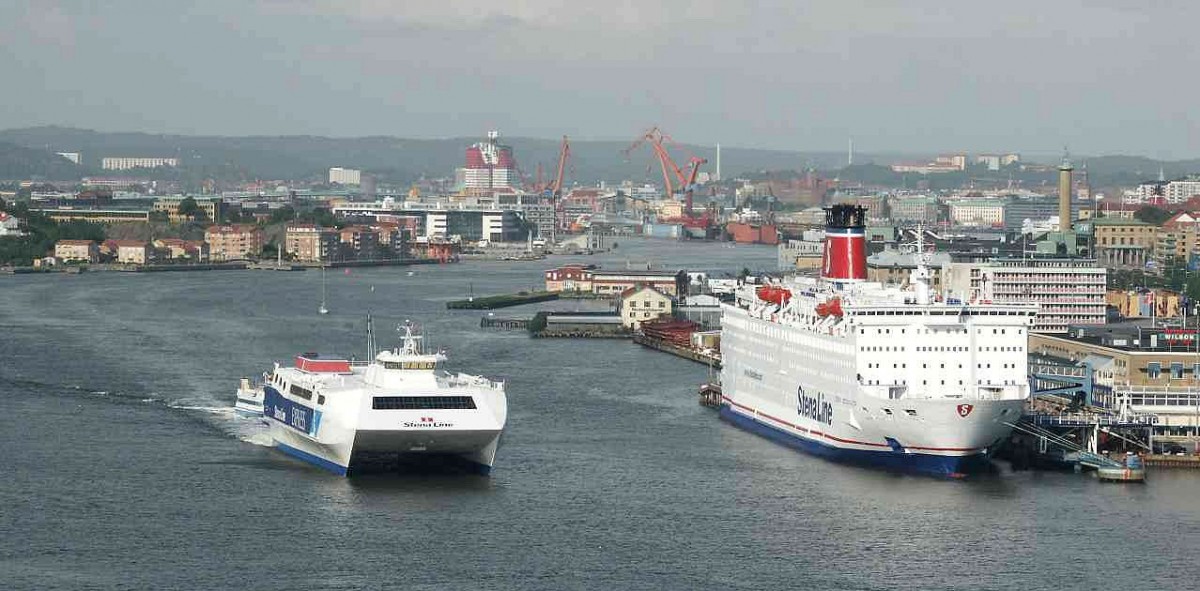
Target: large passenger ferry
898,378
349,417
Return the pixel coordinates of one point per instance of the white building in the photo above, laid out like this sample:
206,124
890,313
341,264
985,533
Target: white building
126,163
1068,291
72,156
977,213
344,176
1176,191
9,225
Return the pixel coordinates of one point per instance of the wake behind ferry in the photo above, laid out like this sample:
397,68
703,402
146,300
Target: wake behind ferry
856,371
349,417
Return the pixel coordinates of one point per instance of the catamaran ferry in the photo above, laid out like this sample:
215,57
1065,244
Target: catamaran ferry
348,417
852,370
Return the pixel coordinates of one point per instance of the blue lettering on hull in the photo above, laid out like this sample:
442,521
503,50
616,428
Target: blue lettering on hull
282,410
946,466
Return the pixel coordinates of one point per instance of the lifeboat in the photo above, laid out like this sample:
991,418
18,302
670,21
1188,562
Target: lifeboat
832,307
773,294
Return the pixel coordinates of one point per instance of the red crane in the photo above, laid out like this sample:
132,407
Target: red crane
674,180
656,138
564,154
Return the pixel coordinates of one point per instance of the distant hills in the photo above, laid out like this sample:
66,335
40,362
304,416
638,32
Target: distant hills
20,162
397,160
30,153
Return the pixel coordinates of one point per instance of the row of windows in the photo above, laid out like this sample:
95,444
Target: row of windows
297,391
1154,370
409,364
423,403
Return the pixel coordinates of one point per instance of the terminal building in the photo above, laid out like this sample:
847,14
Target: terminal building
1151,369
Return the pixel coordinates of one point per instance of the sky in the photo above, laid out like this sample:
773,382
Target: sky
1033,76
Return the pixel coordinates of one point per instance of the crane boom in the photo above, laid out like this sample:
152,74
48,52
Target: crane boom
564,154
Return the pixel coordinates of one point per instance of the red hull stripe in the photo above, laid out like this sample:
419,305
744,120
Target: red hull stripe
839,439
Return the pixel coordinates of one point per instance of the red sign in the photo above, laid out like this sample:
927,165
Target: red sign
965,409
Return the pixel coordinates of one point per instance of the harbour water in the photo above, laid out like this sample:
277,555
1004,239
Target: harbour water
125,468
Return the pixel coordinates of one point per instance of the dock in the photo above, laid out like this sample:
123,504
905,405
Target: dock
504,323
501,301
1169,461
711,360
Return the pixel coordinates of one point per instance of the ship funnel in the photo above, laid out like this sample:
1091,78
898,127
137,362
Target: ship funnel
845,256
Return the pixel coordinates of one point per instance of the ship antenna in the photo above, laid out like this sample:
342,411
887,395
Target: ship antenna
920,275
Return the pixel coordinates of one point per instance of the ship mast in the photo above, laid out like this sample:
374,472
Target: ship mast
919,278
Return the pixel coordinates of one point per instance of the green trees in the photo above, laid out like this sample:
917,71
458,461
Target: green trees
1152,215
43,233
189,209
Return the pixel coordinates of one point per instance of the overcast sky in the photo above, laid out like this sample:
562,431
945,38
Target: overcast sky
1100,76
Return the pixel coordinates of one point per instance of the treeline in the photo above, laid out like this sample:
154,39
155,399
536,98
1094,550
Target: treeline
42,234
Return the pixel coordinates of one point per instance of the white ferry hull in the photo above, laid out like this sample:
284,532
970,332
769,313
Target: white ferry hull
958,449
355,438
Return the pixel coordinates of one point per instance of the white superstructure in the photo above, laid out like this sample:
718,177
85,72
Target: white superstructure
853,370
348,417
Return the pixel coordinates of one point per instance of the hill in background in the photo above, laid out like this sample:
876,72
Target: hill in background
397,160
30,153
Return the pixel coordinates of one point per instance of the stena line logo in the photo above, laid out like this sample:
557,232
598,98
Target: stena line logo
965,409
814,407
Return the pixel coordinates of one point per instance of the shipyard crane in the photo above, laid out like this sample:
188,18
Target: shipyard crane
554,189
656,138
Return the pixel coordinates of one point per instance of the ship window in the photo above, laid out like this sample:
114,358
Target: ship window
911,412
423,403
300,392
888,411
320,399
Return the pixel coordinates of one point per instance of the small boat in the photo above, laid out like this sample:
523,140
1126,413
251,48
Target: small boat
411,273
249,399
1133,470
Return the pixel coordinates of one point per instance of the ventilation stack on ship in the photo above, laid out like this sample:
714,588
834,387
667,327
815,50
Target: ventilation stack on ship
897,378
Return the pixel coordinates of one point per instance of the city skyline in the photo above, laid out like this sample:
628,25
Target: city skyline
915,78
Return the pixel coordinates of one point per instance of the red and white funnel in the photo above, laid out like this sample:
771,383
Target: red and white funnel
845,256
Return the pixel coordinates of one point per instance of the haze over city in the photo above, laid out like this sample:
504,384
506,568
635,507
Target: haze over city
1102,78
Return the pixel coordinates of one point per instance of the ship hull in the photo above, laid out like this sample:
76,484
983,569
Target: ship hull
940,465
356,439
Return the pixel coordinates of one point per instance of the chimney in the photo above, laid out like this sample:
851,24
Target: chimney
1064,195
845,256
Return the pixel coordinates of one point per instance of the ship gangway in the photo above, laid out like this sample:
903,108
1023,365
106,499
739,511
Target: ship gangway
1076,452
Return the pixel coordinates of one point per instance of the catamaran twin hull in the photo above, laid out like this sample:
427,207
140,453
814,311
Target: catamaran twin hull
373,439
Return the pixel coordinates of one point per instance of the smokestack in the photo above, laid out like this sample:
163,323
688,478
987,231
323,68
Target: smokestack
1064,195
845,257
718,161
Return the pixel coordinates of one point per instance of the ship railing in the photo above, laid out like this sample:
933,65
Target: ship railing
463,380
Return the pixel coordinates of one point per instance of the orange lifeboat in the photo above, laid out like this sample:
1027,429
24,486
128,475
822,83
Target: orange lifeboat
832,307
773,294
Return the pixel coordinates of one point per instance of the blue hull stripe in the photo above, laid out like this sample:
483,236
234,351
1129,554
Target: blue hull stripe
312,459
888,460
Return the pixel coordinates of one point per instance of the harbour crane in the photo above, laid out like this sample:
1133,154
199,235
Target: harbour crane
674,179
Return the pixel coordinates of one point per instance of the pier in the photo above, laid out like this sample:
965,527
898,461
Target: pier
711,360
501,301
504,323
